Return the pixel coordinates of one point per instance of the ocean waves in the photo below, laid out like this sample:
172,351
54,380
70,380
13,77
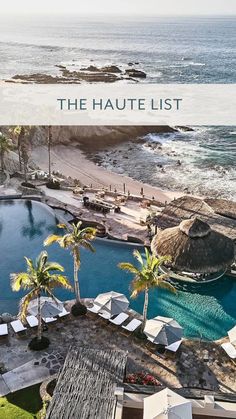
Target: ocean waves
201,162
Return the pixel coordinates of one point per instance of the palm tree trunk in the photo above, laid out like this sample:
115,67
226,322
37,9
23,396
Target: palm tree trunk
39,319
76,281
49,150
145,307
2,161
19,143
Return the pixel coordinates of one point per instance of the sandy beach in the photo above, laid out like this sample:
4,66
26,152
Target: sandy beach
71,161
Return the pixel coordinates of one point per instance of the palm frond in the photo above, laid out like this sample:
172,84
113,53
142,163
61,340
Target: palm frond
62,226
60,281
165,285
129,267
87,245
20,280
138,256
30,264
42,260
53,238
53,266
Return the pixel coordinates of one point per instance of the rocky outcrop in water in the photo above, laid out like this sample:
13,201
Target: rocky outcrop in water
90,74
135,73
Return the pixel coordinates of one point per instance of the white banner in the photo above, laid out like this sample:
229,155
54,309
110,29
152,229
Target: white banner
117,104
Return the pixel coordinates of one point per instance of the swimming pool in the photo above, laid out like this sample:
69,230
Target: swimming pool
206,310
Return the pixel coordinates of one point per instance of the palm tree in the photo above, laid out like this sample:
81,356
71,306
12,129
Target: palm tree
5,147
147,276
49,151
40,278
20,132
73,240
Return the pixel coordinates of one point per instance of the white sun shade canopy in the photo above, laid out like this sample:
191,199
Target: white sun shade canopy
112,302
163,330
232,335
167,404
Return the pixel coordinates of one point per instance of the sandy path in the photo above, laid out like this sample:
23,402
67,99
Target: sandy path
72,162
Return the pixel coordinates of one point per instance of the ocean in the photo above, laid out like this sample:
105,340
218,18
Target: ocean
169,50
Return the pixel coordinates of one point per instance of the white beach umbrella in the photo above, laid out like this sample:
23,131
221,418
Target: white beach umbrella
49,307
232,335
167,404
163,330
112,302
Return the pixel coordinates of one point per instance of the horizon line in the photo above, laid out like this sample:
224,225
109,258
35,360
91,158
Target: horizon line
108,14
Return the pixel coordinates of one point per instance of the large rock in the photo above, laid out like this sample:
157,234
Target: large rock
111,69
132,72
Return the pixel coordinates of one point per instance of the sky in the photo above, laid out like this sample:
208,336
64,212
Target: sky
121,7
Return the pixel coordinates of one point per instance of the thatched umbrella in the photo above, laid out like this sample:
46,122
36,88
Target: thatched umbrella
194,247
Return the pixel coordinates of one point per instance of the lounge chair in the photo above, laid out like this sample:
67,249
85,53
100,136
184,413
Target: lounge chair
132,325
32,321
229,349
18,326
94,309
49,319
118,320
3,329
105,315
63,313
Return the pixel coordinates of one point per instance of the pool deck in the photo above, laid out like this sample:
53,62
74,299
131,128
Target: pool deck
196,364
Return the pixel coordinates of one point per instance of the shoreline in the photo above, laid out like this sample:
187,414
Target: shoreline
71,161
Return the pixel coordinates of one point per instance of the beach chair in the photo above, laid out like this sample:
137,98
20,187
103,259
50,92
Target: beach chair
229,349
48,320
18,326
132,325
63,313
32,321
94,309
118,320
105,315
3,330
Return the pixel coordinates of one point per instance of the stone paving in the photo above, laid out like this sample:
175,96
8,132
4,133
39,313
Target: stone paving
199,365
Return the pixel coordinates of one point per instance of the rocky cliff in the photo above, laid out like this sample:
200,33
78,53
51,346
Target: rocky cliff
92,138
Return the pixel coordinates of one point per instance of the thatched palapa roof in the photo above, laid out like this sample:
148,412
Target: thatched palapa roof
194,247
218,213
86,384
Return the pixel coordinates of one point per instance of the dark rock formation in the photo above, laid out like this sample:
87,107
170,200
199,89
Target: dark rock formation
132,72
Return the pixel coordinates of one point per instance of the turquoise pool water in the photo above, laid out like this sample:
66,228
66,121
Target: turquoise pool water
203,310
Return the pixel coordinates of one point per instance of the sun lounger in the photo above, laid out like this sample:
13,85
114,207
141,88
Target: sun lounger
32,321
105,315
49,319
229,349
133,325
3,329
118,320
63,313
94,309
18,326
